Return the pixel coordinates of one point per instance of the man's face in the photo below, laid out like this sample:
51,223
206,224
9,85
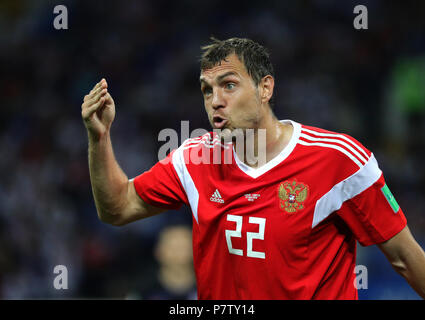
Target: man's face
231,98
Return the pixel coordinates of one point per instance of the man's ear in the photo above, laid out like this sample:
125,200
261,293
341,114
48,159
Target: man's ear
266,88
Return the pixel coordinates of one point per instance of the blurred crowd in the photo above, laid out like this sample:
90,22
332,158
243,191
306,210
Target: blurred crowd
369,84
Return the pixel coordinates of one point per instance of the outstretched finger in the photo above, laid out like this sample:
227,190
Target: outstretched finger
99,95
94,92
90,100
90,94
95,89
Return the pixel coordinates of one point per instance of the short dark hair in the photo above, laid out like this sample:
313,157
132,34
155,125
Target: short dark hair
254,56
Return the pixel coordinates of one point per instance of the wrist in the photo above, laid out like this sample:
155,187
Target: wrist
96,138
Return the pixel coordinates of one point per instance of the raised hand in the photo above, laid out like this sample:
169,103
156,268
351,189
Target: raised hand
98,110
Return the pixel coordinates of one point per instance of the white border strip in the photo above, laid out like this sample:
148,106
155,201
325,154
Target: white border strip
346,189
327,145
336,141
337,135
186,180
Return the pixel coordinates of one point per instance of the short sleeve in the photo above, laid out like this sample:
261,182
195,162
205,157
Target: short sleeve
160,186
373,215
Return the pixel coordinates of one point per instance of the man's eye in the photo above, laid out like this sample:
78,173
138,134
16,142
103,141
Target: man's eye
207,91
230,85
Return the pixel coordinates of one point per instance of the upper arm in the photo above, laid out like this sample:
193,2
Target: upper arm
154,191
135,208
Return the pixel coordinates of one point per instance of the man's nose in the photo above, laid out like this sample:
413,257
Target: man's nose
218,100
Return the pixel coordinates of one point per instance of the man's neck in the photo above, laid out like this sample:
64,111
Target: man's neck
266,142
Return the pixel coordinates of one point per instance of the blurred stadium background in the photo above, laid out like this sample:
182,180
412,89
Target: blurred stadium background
367,83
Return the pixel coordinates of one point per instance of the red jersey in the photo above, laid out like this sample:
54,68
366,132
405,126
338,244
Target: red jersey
285,230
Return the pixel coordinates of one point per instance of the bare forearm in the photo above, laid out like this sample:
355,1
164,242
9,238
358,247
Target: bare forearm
407,258
413,269
109,182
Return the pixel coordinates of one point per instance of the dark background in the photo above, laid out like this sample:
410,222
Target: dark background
366,83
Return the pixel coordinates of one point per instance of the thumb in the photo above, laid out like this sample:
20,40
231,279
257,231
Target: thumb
109,98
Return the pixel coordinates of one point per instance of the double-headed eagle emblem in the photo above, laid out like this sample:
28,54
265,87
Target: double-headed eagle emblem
292,195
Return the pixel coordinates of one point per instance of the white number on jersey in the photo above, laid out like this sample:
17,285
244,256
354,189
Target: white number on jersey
234,233
250,236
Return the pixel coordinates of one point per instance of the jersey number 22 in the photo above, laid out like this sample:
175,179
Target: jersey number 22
250,236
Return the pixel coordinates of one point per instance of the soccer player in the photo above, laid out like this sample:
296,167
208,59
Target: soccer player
284,230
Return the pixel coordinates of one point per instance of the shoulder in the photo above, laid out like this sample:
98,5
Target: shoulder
205,142
199,149
207,139
338,146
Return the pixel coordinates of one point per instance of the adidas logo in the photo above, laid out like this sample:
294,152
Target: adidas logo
216,197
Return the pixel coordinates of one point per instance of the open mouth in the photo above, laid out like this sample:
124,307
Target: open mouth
219,122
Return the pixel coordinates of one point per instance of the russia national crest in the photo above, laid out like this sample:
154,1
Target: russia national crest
292,195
